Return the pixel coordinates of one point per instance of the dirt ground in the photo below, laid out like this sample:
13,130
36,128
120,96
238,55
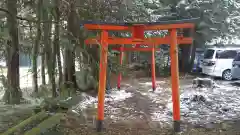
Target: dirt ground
134,116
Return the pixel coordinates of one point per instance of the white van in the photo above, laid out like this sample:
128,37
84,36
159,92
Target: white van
217,61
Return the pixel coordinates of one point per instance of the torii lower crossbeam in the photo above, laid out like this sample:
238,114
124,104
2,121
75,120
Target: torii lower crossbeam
137,39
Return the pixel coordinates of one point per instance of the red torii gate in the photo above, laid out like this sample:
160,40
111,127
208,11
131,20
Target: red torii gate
137,39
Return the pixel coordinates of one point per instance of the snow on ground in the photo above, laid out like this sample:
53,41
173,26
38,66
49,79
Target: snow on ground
86,102
113,97
150,83
157,95
112,107
221,103
198,106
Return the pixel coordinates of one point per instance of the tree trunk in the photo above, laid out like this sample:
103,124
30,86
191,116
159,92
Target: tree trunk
79,56
185,59
56,42
65,59
47,41
94,52
55,48
193,53
35,48
186,52
73,71
7,93
43,66
69,69
13,95
53,61
59,63
73,22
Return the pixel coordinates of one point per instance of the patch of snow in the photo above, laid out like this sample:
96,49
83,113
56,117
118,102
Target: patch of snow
158,90
157,96
3,63
115,113
119,95
150,83
1,92
114,96
129,85
218,104
74,111
87,101
225,41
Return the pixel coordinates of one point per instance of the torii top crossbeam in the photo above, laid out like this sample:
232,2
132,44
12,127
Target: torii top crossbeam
137,30
160,25
138,38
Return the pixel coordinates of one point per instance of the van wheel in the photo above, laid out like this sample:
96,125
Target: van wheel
227,75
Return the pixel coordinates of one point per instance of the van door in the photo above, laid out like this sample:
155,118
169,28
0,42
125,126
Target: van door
224,60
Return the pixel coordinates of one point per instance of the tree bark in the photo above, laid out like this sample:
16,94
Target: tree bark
65,59
69,70
43,66
35,48
94,52
59,63
56,42
193,53
47,42
55,47
185,59
186,52
13,95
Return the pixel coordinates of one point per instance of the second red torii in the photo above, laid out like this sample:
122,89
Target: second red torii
147,41
137,40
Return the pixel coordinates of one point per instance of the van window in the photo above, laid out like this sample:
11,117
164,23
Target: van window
227,54
237,58
208,54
